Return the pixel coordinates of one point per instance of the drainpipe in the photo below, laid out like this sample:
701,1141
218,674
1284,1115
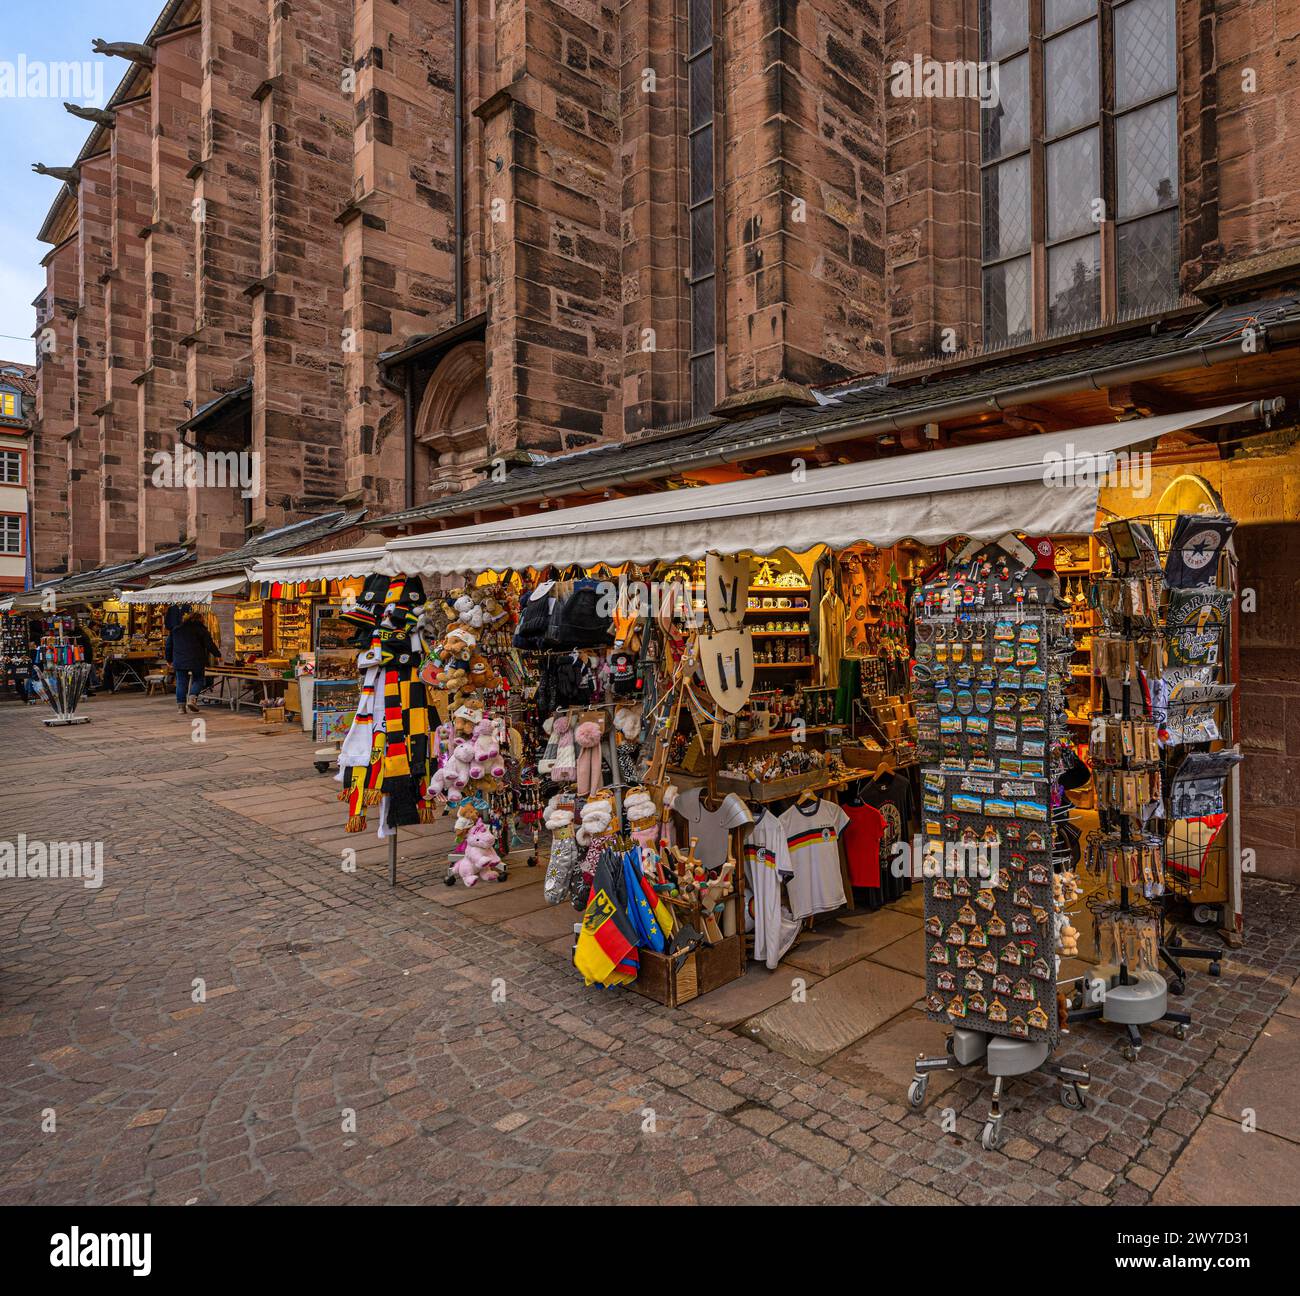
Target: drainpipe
408,427
458,151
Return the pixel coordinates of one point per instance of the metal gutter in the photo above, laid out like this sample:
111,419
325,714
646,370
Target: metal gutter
458,150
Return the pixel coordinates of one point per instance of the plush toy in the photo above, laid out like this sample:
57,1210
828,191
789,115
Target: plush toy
458,645
481,675
468,612
627,720
480,862
487,753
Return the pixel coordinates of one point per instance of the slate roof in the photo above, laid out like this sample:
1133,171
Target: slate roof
841,405
100,582
285,539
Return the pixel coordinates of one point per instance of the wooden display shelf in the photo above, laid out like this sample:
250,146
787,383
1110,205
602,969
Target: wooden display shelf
778,735
780,634
785,665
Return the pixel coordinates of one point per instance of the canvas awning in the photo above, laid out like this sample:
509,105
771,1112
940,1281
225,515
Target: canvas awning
200,591
339,565
1040,485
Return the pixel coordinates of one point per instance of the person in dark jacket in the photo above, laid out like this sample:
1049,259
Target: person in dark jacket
82,636
189,649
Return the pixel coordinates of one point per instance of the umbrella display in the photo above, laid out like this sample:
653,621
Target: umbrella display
63,687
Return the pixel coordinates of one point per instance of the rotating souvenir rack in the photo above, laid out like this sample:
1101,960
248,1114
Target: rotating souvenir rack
1127,851
1192,704
991,648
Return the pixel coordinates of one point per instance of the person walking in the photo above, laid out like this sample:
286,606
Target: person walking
189,649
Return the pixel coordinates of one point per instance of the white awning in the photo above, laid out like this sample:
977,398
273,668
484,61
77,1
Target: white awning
200,591
1041,485
339,565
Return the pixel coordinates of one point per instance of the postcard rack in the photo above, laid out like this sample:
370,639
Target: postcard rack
992,647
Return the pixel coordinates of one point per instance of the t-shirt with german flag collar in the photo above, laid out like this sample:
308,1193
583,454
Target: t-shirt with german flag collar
812,836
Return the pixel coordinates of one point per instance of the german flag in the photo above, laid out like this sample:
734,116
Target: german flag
606,950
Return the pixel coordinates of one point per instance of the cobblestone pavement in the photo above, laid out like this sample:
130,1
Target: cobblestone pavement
478,1067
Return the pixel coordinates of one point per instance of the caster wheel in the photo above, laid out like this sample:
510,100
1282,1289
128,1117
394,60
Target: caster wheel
321,767
501,877
450,879
1072,1096
1177,987
532,861
1180,1031
1130,1053
1216,969
949,1046
916,1091
992,1136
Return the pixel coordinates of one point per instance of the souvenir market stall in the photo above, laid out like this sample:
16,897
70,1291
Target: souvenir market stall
928,502
234,681
738,708
294,626
16,648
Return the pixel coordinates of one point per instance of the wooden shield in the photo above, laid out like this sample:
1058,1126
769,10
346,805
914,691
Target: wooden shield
726,589
727,661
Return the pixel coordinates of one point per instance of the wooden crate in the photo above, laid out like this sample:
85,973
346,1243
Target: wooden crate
706,969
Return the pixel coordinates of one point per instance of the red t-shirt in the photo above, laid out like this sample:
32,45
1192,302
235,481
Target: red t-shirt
862,844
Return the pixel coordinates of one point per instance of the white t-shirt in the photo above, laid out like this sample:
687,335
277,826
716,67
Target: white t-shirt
812,837
767,865
711,826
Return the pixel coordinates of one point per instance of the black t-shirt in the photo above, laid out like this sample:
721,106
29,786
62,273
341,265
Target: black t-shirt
892,796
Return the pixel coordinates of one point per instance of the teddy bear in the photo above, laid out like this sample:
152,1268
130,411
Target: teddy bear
458,645
480,673
451,679
480,861
469,612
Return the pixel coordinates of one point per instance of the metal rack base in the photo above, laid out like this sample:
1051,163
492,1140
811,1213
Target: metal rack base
1004,1059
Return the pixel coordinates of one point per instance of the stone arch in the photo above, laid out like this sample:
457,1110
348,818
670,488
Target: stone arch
451,423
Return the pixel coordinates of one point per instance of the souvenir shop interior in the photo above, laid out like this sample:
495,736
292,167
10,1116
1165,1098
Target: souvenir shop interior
291,629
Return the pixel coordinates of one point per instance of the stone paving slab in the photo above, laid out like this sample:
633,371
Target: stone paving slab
1265,1083
838,1011
834,944
883,1062
542,925
906,955
1223,1166
759,988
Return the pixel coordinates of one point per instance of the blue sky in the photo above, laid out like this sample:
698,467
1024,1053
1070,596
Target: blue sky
38,130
